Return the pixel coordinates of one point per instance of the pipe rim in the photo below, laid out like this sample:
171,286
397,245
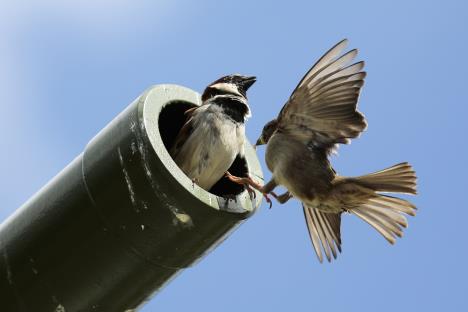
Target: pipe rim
151,103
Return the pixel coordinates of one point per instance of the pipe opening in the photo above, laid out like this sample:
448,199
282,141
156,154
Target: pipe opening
171,120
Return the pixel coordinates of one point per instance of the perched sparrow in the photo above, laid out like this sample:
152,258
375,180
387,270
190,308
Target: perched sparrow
214,133
321,113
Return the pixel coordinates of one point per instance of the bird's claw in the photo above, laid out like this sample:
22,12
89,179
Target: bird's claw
244,181
249,184
251,192
268,200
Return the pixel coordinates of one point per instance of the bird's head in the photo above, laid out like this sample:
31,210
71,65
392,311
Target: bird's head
267,132
232,84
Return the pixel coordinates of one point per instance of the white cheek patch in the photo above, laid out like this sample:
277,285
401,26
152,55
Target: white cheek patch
226,87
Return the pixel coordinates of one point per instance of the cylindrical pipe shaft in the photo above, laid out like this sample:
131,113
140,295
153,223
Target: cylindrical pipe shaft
120,220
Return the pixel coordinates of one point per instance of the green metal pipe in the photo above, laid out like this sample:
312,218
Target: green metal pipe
121,219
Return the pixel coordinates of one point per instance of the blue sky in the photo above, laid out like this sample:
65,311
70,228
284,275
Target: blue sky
68,69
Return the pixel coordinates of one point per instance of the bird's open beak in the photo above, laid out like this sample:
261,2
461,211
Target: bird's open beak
248,82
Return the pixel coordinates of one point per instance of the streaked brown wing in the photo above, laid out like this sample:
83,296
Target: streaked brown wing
322,109
324,231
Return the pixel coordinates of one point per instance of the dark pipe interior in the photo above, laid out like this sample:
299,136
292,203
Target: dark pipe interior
171,120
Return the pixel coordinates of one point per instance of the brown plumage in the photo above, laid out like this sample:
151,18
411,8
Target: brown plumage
322,112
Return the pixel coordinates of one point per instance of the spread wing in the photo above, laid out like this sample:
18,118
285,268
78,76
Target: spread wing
324,231
322,108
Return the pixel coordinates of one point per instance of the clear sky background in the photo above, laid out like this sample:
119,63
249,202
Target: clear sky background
66,70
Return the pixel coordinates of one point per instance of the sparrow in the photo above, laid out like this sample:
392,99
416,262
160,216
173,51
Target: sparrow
321,113
214,133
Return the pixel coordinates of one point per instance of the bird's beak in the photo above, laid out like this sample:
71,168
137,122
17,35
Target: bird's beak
260,141
248,82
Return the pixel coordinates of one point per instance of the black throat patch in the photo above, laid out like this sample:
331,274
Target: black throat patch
233,106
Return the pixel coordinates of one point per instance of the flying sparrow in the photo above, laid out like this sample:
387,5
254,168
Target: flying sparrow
214,133
320,113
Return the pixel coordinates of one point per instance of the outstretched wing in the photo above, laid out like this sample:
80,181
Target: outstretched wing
324,231
322,108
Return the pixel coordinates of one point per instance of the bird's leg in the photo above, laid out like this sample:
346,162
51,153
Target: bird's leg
248,181
269,187
283,197
195,181
243,181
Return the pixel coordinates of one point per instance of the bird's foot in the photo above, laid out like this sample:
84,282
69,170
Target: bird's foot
246,182
249,184
195,181
282,198
268,200
251,192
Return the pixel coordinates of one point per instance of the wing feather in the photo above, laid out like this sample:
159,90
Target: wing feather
322,110
324,231
324,60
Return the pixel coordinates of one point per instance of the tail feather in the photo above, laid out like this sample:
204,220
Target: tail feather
401,205
400,178
377,223
383,212
362,197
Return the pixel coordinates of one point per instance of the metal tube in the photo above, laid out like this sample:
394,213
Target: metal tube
121,219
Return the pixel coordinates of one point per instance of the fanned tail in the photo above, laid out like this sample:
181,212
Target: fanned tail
399,178
361,197
383,212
